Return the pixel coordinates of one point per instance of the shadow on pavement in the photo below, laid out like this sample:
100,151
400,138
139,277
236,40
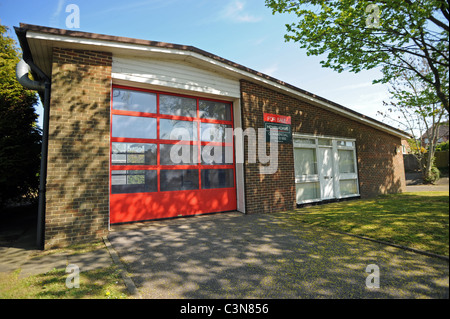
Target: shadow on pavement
261,256
18,227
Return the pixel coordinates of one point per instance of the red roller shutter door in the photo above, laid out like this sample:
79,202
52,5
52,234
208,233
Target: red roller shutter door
157,168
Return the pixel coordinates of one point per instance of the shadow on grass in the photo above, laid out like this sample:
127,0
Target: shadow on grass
96,284
416,220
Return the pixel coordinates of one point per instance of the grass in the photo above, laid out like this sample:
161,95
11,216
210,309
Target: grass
417,220
104,283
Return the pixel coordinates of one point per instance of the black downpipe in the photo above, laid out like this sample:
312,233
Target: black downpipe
43,170
21,35
44,155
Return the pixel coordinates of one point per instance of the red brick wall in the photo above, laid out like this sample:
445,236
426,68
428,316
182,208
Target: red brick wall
380,166
77,201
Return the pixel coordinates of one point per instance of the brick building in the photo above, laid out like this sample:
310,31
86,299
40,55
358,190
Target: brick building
121,112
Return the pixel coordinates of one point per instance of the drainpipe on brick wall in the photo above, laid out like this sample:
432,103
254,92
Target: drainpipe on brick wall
22,70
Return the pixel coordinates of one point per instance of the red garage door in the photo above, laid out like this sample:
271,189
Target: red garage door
171,155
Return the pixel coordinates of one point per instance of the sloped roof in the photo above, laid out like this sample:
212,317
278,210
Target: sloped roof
443,131
37,43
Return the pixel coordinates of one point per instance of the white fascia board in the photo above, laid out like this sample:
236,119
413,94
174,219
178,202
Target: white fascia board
109,46
117,46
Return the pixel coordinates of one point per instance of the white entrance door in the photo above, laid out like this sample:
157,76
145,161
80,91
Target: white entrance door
326,172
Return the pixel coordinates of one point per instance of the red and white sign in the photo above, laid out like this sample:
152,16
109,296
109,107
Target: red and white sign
274,118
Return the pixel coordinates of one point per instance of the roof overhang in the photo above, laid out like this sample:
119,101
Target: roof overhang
40,41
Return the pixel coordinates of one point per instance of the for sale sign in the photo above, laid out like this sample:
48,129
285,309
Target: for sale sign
275,118
281,123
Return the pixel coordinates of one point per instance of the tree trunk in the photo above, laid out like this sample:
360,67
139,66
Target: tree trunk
427,174
429,164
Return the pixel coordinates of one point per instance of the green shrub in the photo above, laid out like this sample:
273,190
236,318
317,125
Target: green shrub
435,174
444,146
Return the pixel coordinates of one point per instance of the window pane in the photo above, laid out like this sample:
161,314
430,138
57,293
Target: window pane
179,180
133,181
305,161
133,127
176,105
133,154
307,191
305,141
346,161
346,143
177,130
134,101
348,187
215,110
217,178
176,154
324,141
217,155
210,132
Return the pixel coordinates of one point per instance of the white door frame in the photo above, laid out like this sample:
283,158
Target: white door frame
326,172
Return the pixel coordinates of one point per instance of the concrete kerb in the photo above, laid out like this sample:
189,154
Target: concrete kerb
131,287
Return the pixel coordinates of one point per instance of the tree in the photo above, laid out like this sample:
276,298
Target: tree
415,109
361,35
20,137
444,146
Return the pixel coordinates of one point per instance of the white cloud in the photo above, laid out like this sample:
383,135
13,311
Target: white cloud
137,6
270,70
259,41
54,20
234,12
368,103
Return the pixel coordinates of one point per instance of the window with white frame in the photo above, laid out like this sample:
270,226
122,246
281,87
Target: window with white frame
325,168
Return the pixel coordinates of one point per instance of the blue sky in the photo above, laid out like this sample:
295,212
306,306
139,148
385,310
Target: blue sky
243,31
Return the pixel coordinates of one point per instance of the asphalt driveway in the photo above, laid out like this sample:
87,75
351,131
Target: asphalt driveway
256,256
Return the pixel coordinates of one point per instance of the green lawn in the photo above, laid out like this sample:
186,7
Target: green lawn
103,283
417,220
